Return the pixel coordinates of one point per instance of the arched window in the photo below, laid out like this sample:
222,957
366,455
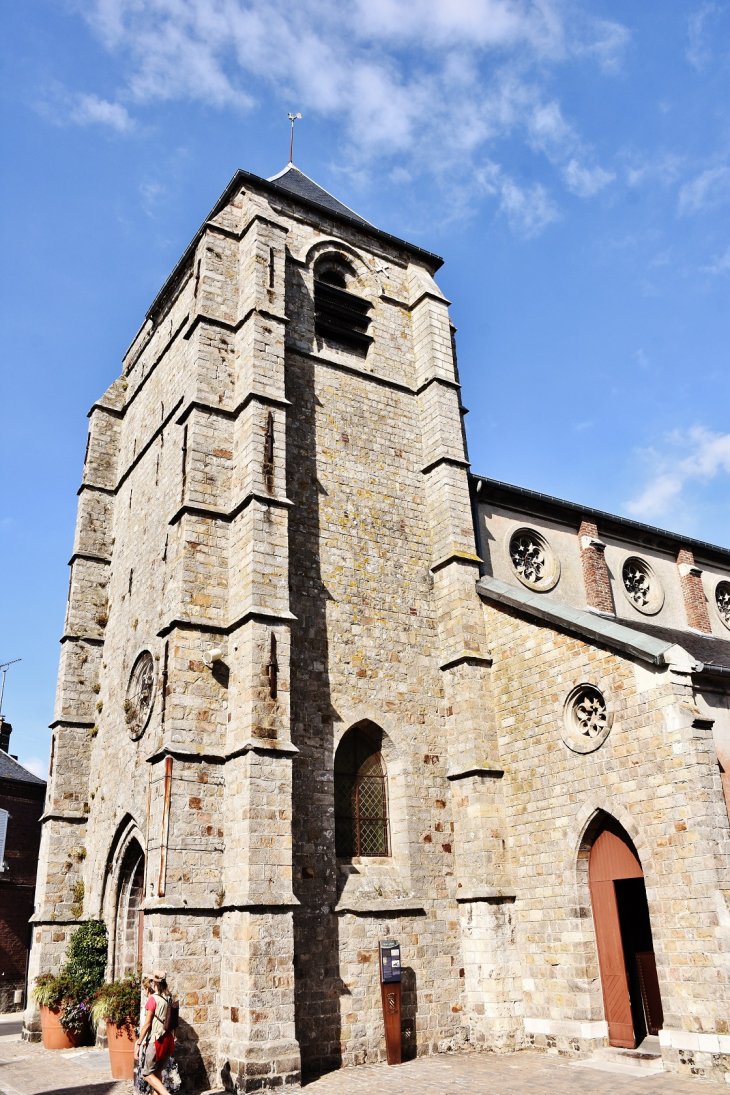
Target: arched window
361,803
129,916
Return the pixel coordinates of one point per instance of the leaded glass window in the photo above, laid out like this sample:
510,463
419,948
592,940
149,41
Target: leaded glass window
361,812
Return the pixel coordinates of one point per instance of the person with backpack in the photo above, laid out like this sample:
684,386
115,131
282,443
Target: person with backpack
156,1039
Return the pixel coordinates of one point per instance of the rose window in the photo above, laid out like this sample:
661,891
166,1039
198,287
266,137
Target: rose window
140,694
641,586
587,719
532,559
637,583
589,712
722,600
528,558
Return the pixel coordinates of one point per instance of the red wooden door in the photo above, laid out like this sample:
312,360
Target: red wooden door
612,858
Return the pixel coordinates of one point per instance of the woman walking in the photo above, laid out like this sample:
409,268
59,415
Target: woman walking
155,1044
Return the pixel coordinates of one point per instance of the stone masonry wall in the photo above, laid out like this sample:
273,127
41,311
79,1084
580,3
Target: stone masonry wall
656,774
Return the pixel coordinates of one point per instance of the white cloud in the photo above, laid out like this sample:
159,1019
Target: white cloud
586,181
698,50
37,766
663,169
719,265
528,210
707,455
403,77
709,189
90,110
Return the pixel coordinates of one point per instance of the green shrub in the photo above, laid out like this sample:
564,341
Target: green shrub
75,985
86,956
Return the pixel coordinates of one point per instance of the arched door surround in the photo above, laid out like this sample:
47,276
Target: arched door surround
629,979
129,918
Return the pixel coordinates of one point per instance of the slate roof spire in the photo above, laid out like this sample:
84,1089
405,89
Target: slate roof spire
294,180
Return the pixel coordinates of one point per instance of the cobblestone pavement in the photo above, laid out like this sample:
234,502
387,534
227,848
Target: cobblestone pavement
30,1070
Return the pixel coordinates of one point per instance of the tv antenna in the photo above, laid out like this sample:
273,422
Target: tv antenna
5,666
292,119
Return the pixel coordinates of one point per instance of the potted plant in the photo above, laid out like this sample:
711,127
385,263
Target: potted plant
64,1016
65,997
118,1004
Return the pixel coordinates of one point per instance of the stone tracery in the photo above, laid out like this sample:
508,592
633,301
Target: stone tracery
528,557
722,600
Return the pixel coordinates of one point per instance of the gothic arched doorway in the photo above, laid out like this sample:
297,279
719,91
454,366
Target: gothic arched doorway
629,980
129,916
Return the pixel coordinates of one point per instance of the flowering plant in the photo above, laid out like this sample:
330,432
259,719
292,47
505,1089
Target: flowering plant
75,1015
118,1002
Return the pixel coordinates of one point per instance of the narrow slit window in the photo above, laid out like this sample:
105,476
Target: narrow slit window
361,805
272,268
184,463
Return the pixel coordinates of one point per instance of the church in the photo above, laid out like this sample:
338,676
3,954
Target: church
321,685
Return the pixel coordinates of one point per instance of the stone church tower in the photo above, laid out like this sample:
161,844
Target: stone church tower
320,686
279,475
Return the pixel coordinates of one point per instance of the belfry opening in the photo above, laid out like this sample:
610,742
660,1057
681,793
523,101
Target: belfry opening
629,981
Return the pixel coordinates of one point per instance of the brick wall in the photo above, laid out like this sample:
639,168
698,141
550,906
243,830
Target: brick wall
595,571
695,602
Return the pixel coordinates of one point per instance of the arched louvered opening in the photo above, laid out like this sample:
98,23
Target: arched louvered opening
340,316
361,799
128,925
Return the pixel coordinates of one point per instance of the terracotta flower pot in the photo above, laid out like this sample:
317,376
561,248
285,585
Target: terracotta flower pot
54,1036
121,1051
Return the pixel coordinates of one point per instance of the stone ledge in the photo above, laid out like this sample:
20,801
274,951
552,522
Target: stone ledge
456,557
257,613
449,461
216,513
365,906
175,907
474,770
73,817
485,893
470,656
283,748
232,412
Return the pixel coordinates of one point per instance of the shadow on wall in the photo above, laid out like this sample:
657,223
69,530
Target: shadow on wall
318,985
193,1072
408,1013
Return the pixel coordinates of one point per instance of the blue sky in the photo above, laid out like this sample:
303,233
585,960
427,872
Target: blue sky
570,161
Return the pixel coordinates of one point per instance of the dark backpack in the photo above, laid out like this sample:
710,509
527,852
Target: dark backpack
172,1015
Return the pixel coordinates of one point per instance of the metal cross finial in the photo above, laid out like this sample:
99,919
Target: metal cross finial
4,667
292,119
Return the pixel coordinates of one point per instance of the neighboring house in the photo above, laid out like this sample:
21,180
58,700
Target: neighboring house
320,687
21,805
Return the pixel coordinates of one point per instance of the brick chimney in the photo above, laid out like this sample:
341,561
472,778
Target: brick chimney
5,732
595,571
695,602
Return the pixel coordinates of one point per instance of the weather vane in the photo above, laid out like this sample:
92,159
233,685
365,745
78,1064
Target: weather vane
3,669
292,119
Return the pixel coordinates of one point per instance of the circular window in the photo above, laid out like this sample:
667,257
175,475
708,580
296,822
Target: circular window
641,586
722,601
140,695
533,560
587,720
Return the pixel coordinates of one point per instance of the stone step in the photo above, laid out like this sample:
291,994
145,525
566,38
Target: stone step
645,1060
